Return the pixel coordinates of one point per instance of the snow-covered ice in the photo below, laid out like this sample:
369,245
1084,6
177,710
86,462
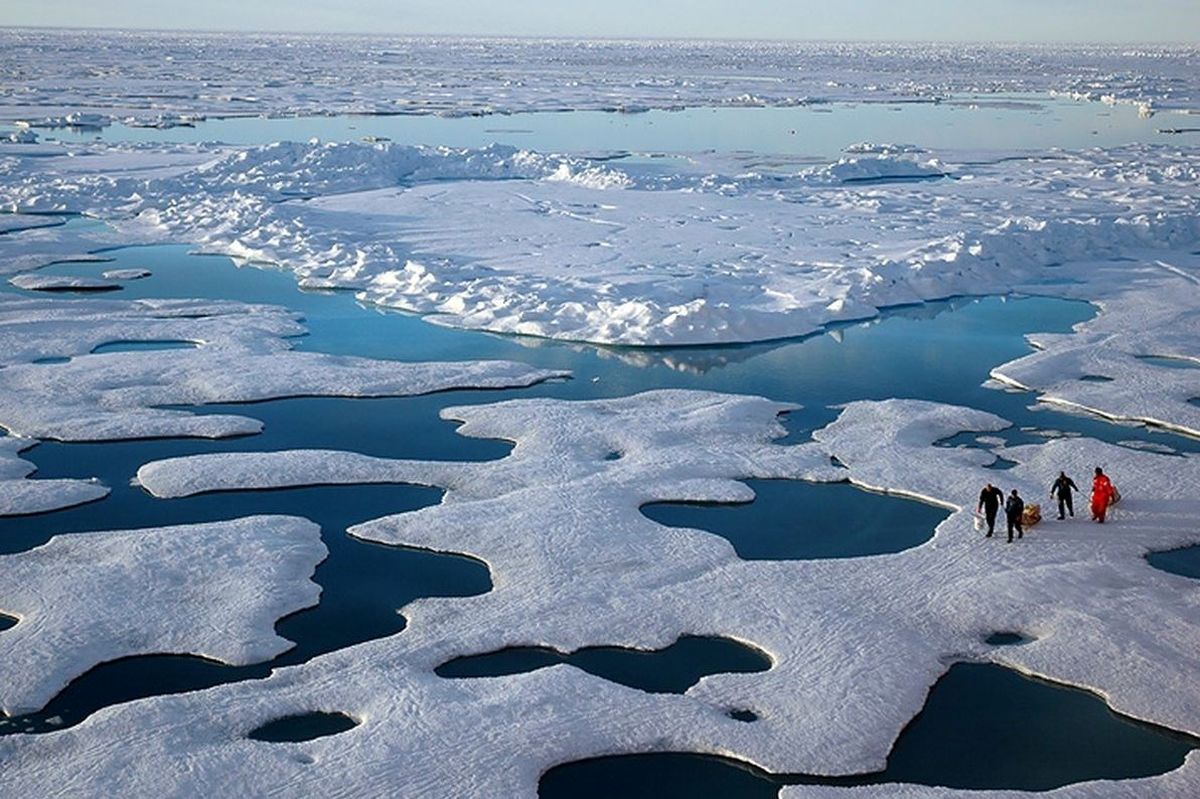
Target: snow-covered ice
20,495
41,282
1107,366
242,355
575,249
558,525
213,590
126,274
159,78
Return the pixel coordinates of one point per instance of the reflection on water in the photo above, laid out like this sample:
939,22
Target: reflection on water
1025,122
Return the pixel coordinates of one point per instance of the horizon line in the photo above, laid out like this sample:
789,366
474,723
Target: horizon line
585,38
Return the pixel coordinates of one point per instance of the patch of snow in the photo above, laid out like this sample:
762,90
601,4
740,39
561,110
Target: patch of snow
213,590
126,274
19,495
242,356
39,282
20,136
1154,314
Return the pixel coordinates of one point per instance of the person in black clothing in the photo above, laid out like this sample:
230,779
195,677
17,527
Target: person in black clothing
1014,509
1061,490
989,502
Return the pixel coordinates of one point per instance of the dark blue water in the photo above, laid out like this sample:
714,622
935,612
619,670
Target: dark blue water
363,583
795,520
143,346
983,726
1184,561
305,727
938,351
673,669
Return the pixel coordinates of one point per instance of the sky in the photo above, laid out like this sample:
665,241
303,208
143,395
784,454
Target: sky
921,20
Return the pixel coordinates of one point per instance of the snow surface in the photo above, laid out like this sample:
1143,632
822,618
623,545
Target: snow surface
36,282
165,78
242,355
126,274
1157,317
213,590
19,495
574,564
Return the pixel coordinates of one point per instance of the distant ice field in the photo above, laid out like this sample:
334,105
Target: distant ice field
164,78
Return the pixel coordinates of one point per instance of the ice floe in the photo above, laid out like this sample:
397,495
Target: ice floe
126,274
213,590
855,644
1108,364
19,495
242,355
36,282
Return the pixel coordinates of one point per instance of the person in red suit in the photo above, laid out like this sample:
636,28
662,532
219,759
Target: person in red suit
1102,495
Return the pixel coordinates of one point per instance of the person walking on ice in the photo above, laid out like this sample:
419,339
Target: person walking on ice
989,503
1014,509
1102,495
1061,490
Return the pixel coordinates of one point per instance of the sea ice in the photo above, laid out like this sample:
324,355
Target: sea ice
164,78
213,590
19,495
574,564
126,274
242,355
1155,316
575,249
36,282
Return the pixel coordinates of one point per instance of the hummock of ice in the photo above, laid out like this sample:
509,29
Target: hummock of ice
574,249
36,282
213,590
98,76
19,495
242,356
126,274
574,563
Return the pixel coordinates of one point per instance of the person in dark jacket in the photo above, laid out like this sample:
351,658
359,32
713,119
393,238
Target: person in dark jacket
1061,490
1014,509
989,503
